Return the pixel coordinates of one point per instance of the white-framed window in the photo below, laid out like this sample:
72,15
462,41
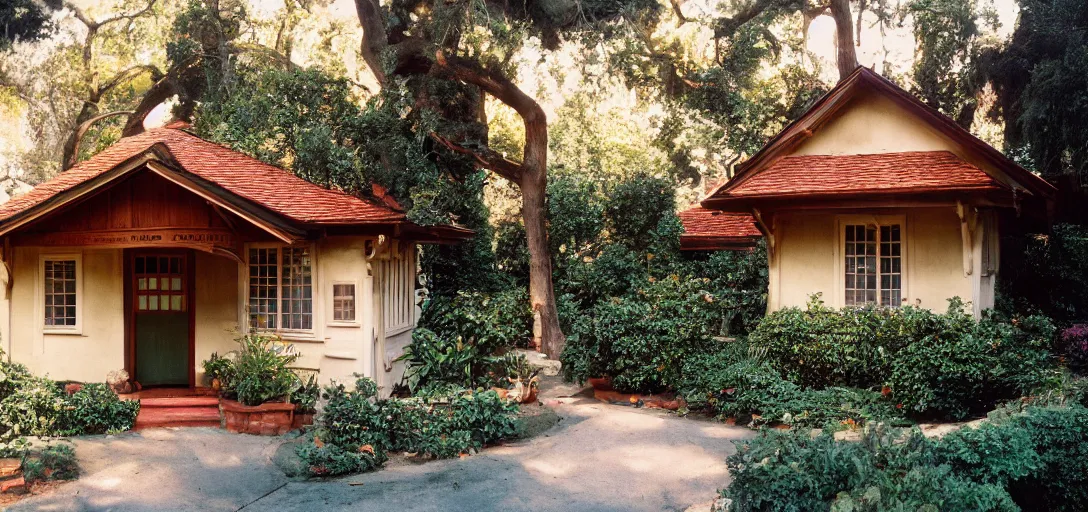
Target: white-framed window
344,303
873,262
280,288
398,287
62,293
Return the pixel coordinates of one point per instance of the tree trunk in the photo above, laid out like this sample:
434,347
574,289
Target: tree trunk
846,56
547,335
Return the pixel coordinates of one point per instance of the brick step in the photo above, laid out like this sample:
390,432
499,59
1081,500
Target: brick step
177,417
175,402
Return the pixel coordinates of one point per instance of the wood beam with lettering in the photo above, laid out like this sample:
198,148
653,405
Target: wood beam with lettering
208,240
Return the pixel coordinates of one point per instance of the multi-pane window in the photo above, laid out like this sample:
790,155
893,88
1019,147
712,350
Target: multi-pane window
60,293
874,265
280,288
343,302
297,289
160,283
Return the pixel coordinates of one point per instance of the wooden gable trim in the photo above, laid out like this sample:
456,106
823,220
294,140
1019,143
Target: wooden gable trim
838,97
158,160
237,205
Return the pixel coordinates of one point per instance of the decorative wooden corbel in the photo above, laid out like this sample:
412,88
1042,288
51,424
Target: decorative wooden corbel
767,231
968,222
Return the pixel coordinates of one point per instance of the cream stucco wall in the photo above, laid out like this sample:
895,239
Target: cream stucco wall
85,356
808,250
216,312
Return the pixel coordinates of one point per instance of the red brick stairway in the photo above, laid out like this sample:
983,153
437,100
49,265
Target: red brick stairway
188,409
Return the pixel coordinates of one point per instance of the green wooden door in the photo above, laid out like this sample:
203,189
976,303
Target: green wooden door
161,310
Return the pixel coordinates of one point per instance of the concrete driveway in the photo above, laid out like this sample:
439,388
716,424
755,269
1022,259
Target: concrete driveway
599,458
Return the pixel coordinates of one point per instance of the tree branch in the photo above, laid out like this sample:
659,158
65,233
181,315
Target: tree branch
485,157
727,26
71,147
128,74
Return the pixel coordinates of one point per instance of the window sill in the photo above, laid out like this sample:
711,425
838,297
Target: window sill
63,332
344,324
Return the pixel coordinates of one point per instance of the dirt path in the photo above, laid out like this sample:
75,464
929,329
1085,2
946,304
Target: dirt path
600,457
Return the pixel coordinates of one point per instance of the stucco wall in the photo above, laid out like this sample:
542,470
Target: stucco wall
85,357
216,312
346,347
808,252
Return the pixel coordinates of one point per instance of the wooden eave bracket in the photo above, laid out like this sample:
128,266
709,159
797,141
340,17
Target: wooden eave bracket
767,231
968,222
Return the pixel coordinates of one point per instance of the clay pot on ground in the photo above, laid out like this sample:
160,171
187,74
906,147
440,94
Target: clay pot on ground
600,383
267,419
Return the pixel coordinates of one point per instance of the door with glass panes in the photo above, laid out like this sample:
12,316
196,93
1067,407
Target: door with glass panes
161,317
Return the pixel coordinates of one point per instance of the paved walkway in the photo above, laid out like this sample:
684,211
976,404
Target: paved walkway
600,457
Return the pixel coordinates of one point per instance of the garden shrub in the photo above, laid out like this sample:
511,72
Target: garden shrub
357,430
437,364
1060,481
752,388
37,406
642,339
944,365
53,462
488,321
958,373
1035,460
96,409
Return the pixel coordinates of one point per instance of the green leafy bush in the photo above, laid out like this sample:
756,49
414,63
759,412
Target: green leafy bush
487,321
958,373
53,462
751,388
945,365
219,367
1033,460
357,430
96,409
642,339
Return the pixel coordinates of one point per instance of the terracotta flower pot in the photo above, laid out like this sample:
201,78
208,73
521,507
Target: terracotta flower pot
302,420
267,419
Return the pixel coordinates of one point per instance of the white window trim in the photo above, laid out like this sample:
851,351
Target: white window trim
332,322
311,334
77,329
841,221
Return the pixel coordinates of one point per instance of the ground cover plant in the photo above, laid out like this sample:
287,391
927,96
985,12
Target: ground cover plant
37,406
1021,460
357,430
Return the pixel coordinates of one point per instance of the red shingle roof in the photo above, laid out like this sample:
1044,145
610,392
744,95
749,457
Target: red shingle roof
812,175
276,189
712,229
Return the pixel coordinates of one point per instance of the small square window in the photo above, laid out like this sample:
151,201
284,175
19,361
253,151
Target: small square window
343,302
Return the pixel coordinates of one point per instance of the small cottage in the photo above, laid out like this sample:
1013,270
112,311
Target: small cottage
159,250
872,197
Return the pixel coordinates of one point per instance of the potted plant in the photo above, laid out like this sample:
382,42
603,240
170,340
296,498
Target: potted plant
256,386
217,370
305,400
